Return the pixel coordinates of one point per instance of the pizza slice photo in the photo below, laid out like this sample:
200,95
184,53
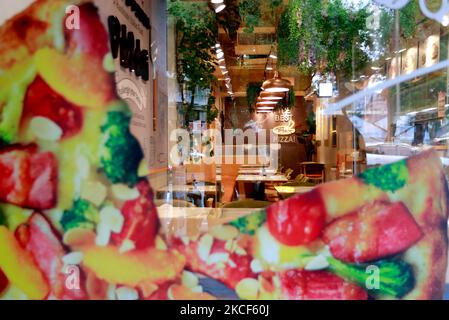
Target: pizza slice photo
381,235
78,220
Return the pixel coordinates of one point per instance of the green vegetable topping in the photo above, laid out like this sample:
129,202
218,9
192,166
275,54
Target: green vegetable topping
390,177
392,278
120,152
2,219
249,224
82,215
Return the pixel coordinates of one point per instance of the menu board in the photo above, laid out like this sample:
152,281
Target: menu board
139,88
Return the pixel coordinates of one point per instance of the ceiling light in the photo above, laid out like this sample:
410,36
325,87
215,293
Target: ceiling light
225,72
230,92
266,103
272,98
216,1
222,67
227,85
220,55
221,60
272,56
220,8
269,68
217,46
277,84
219,50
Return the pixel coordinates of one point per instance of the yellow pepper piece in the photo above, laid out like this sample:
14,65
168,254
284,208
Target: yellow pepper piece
134,267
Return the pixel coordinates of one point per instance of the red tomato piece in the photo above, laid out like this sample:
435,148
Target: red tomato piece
141,220
375,231
298,220
318,285
48,252
29,178
92,37
3,282
41,100
230,272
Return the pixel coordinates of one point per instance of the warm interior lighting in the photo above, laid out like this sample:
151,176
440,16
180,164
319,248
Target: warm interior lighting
220,8
220,54
267,103
272,98
277,84
216,1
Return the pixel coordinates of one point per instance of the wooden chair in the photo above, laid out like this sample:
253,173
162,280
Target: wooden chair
314,171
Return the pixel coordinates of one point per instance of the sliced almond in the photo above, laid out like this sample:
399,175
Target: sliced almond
79,237
143,170
217,257
124,193
45,129
189,279
317,263
112,218
240,251
103,235
248,289
205,246
231,263
160,243
230,245
224,232
256,266
73,258
127,245
125,293
94,191
83,166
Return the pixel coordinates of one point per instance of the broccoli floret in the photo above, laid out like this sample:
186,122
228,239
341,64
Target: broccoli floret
82,215
2,218
249,224
395,276
390,177
120,153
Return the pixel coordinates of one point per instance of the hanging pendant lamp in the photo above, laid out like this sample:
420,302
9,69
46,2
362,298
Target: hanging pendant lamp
277,84
271,95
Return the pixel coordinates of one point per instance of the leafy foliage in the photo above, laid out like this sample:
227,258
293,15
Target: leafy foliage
212,111
325,33
252,92
250,13
196,34
230,19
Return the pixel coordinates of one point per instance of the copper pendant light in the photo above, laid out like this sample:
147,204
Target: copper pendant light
260,101
271,95
277,84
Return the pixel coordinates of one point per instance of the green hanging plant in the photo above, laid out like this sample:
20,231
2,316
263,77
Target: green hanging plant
253,90
324,34
250,13
212,111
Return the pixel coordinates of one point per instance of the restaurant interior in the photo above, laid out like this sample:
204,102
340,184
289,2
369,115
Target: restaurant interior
269,98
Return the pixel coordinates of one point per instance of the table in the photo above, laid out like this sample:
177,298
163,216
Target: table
288,191
200,192
245,179
256,171
261,178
